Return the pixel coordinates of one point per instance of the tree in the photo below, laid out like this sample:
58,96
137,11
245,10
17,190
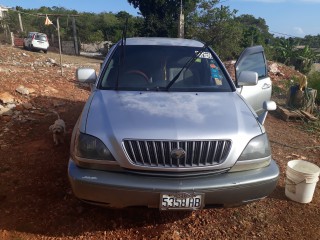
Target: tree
161,16
304,60
96,37
312,41
217,27
134,24
255,30
285,51
288,52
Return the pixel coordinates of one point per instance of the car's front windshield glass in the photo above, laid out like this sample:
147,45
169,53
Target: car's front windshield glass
137,67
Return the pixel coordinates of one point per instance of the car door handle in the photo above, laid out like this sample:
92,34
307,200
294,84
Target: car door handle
266,86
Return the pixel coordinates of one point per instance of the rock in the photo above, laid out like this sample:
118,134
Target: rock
25,55
22,90
66,65
14,63
6,97
6,112
52,61
31,90
273,68
280,74
50,89
27,105
11,105
58,103
36,63
19,107
17,113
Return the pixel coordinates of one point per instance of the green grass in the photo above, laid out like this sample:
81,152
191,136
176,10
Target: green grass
314,83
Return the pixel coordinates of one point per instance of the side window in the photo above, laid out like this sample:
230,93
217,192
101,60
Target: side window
110,75
254,62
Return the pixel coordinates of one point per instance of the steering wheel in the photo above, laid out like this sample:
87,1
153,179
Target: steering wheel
140,73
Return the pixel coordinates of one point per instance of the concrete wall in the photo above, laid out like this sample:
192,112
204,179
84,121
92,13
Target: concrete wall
68,47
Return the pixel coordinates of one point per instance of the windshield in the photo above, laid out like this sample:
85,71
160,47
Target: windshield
153,67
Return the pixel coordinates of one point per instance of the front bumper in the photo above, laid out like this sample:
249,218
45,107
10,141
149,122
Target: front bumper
114,189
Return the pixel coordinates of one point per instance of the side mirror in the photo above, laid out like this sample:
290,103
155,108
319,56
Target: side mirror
247,78
267,106
86,75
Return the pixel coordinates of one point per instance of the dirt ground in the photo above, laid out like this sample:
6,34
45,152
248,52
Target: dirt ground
36,201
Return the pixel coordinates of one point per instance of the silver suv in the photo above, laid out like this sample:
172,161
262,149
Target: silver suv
165,127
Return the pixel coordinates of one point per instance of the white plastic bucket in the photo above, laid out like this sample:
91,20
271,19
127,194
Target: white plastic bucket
301,180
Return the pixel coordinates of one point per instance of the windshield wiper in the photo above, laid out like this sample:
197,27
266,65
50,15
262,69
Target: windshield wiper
186,66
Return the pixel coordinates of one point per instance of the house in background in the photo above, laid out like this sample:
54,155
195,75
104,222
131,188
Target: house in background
4,29
3,11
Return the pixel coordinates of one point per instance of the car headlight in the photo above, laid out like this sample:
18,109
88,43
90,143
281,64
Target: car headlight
89,147
257,154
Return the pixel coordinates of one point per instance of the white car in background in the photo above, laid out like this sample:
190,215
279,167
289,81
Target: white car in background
36,41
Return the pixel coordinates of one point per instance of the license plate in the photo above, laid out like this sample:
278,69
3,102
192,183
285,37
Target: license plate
181,201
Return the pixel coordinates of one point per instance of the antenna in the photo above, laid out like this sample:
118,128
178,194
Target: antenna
122,51
181,22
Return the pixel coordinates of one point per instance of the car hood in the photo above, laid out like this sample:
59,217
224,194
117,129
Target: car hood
114,116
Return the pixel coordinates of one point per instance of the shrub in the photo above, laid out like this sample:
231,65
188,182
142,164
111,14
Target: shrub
314,82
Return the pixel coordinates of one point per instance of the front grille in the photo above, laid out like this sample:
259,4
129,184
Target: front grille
151,153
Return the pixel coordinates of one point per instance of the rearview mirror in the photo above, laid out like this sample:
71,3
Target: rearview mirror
247,78
267,106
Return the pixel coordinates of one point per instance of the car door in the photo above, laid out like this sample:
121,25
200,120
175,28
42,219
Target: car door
28,39
253,59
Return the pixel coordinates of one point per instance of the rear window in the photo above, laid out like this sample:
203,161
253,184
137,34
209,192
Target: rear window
40,37
153,67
